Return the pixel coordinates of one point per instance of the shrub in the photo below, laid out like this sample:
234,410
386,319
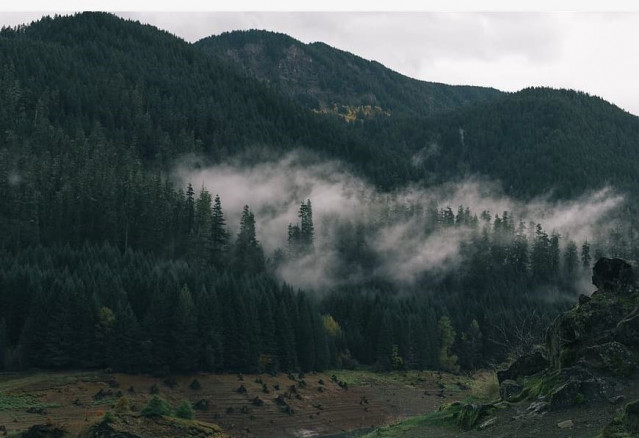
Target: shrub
156,407
195,385
123,405
185,410
108,417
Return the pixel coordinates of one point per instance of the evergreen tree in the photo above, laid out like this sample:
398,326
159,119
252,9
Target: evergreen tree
447,360
307,231
4,344
189,210
571,260
202,227
185,333
585,255
124,343
219,235
471,346
248,254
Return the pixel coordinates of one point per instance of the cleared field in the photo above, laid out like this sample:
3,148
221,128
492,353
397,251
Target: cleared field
315,404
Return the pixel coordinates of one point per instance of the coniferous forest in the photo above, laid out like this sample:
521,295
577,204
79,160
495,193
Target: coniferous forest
106,261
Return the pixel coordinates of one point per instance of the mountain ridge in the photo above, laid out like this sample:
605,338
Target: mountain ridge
320,76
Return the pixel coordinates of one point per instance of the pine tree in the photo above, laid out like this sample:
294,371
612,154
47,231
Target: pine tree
4,343
540,258
447,360
285,338
219,235
307,231
189,210
571,260
124,342
248,253
185,335
202,227
294,240
471,346
585,255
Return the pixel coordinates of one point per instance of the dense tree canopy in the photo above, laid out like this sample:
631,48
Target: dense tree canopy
106,262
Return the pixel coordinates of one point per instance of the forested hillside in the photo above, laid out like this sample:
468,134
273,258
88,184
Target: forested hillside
324,78
535,141
106,260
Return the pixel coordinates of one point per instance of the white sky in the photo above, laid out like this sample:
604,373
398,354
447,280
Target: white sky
592,51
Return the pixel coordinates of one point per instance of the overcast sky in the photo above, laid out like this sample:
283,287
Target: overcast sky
592,52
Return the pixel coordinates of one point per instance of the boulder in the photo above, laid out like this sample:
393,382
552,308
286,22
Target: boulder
568,424
615,274
508,389
565,395
526,365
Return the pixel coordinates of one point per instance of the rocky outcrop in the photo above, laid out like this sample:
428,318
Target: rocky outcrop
526,365
608,274
133,426
588,348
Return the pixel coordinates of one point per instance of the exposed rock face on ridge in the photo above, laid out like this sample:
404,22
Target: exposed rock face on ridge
589,349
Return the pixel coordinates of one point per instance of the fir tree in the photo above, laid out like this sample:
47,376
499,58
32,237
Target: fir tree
219,235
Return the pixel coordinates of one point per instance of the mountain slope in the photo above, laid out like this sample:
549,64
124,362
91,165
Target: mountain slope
153,97
148,89
534,141
322,77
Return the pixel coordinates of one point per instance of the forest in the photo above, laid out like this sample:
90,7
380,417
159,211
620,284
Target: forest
106,261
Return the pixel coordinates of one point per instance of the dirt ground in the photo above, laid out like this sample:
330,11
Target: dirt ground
319,406
516,421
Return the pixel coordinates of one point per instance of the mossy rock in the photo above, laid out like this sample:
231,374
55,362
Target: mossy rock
135,426
612,357
625,425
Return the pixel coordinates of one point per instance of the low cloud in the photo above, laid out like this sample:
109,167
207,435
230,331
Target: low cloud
401,249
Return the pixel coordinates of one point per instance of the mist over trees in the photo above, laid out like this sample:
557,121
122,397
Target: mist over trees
106,261
215,305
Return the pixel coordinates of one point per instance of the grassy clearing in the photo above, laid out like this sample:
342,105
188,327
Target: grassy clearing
446,417
10,382
484,388
21,402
